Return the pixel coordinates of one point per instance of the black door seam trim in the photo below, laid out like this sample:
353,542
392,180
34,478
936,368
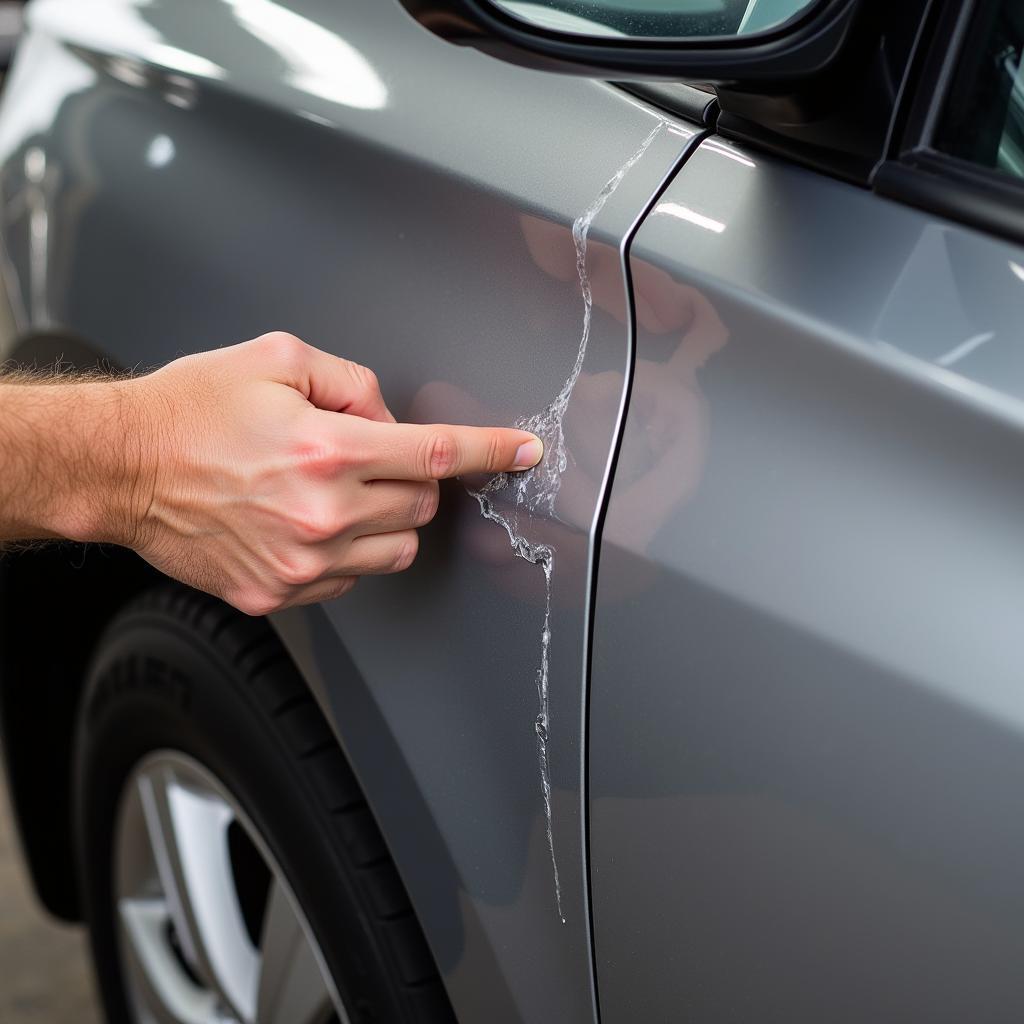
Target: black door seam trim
625,248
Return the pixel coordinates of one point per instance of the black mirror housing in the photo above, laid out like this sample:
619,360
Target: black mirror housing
801,48
823,89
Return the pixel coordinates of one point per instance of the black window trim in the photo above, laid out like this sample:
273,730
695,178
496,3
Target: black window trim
918,174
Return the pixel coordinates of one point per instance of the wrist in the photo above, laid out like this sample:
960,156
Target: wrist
112,504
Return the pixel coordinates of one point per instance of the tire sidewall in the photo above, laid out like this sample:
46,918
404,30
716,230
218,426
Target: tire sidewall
155,686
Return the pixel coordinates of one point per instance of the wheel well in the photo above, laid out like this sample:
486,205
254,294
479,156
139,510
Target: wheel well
54,604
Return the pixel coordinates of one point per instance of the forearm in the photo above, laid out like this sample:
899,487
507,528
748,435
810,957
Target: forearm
70,457
268,473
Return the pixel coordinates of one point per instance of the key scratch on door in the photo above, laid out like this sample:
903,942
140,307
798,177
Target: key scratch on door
536,490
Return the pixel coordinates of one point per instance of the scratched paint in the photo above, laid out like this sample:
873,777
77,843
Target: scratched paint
536,491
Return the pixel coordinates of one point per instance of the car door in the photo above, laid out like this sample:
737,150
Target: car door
807,703
183,175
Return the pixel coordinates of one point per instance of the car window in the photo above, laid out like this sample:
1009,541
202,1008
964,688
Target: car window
984,120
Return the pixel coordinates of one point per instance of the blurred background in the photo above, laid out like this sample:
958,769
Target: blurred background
44,967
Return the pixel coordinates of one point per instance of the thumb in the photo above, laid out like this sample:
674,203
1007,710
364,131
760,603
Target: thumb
340,385
326,381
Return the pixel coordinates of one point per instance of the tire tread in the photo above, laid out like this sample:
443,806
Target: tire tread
271,679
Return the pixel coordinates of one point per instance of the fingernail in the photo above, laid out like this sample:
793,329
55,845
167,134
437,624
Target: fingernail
529,454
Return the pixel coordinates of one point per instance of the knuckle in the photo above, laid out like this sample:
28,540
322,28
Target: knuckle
405,553
493,454
284,347
427,502
365,379
340,523
318,526
314,459
322,458
299,571
316,521
438,455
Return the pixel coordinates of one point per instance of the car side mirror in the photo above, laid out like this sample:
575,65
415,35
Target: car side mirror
708,41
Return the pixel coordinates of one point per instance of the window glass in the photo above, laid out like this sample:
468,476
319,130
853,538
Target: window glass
985,119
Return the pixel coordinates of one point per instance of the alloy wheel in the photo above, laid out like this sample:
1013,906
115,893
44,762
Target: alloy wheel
211,932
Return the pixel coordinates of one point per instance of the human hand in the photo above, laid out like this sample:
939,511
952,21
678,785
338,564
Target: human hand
663,454
272,474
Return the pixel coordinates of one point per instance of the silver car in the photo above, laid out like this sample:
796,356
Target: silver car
717,715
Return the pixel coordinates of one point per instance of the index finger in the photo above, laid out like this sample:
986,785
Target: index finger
408,451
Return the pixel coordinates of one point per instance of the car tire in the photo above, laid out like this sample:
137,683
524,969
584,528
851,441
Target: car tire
182,680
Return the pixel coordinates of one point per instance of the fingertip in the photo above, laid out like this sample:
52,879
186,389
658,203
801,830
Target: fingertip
528,454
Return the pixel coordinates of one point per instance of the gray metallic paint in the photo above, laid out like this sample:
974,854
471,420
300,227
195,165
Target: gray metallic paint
180,175
807,704
805,701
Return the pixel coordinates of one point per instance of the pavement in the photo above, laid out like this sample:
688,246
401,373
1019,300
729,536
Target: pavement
45,975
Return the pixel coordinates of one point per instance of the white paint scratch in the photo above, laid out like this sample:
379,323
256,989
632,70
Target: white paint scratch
536,490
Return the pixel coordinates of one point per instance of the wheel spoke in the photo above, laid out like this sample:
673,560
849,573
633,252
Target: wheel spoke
187,829
292,989
189,952
168,997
